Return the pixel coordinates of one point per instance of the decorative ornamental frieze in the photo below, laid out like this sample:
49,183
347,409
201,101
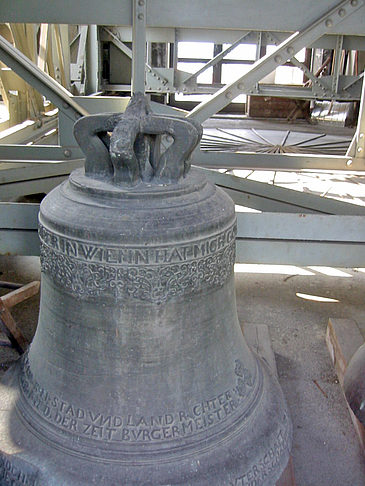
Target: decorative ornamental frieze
153,274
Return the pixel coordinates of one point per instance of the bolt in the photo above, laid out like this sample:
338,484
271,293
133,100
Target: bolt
140,16
328,23
278,59
342,12
67,153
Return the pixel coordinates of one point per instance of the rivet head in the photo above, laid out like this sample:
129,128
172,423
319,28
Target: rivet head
140,16
141,3
67,153
328,23
240,86
342,12
349,162
290,50
229,95
359,149
354,3
278,59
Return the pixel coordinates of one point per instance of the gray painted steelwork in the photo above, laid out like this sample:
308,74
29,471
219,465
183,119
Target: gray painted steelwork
205,14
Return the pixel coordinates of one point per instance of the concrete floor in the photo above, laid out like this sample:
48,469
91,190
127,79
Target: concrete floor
325,449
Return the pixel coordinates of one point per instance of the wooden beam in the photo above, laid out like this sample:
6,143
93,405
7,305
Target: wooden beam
11,330
343,339
18,295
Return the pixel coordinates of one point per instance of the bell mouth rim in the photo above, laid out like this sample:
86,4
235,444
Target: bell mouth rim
80,182
194,444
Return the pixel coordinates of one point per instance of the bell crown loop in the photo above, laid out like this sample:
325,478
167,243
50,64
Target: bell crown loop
125,148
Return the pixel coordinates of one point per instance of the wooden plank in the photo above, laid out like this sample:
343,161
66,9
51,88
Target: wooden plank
10,328
258,337
23,293
43,40
287,478
343,338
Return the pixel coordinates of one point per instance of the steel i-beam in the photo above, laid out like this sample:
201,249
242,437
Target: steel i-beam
285,51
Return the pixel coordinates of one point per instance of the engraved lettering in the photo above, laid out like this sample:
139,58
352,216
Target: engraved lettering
136,433
141,256
142,273
110,256
70,248
146,435
117,421
94,417
129,427
110,432
156,434
267,463
73,424
87,251
175,255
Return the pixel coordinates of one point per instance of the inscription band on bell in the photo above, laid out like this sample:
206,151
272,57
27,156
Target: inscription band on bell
154,274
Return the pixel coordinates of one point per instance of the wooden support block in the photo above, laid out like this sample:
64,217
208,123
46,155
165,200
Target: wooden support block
7,324
258,338
20,294
287,478
343,338
11,330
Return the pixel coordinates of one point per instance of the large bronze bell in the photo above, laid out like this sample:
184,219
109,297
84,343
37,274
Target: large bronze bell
139,373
